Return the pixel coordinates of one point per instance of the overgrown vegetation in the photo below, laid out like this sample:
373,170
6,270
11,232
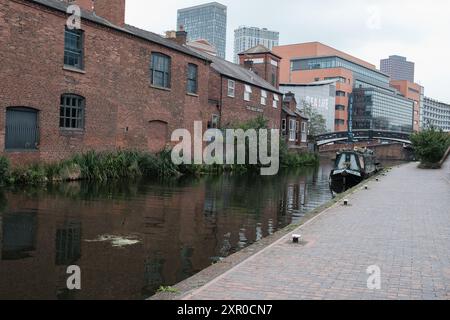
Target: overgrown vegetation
113,166
92,166
430,146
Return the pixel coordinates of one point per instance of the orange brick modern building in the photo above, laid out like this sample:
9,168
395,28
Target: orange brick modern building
314,61
414,92
107,86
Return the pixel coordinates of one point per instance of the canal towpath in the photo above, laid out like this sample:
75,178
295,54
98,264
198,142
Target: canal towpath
398,229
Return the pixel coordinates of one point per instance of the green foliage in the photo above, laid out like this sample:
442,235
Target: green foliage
430,145
4,170
317,123
163,289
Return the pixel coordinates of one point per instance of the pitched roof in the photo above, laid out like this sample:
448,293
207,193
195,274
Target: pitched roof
143,34
258,49
237,72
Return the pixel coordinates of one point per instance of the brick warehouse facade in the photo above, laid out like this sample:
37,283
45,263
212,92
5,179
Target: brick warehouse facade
122,109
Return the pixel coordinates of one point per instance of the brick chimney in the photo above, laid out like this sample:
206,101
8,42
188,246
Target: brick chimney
289,101
181,36
111,10
86,5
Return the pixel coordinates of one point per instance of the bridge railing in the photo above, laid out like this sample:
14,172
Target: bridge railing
364,134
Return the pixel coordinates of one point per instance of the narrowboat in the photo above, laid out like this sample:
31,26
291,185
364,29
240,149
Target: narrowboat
351,168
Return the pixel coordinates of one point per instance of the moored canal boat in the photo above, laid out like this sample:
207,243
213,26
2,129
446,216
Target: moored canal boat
351,168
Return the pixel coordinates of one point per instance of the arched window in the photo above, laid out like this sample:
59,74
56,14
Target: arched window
160,70
71,115
22,129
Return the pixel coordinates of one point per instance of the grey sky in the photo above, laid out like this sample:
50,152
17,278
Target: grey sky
368,29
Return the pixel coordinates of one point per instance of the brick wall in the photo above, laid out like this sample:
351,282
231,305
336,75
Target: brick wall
237,110
121,106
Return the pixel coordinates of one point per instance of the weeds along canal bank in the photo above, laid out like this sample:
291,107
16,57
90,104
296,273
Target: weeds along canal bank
106,166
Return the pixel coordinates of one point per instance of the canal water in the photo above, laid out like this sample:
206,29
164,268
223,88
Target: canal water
131,238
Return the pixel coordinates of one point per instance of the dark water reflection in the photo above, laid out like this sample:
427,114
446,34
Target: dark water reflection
166,232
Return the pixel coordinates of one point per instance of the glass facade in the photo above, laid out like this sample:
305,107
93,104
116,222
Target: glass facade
363,76
435,113
248,37
208,22
374,109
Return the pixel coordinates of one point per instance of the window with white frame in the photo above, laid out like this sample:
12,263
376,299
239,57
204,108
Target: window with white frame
283,126
297,130
276,99
304,132
248,93
292,130
263,97
231,88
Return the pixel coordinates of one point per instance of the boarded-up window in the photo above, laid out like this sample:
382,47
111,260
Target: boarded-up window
22,131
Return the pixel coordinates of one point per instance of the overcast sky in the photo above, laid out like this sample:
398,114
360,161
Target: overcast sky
368,29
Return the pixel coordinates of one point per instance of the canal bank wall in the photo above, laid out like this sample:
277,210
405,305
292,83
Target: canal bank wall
389,152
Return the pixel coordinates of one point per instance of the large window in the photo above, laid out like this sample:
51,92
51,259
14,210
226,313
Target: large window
276,99
248,93
71,114
22,131
73,48
231,88
160,70
263,97
292,130
192,81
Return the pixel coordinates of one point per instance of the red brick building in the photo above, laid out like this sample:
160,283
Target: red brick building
107,86
243,92
294,125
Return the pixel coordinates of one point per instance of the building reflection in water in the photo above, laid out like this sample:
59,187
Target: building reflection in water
18,235
182,227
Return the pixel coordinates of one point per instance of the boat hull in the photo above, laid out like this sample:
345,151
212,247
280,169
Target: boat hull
341,181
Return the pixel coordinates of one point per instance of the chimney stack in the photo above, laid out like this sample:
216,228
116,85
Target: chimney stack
248,64
111,10
181,36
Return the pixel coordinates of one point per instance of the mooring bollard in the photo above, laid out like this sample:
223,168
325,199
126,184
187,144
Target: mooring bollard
346,202
296,238
366,187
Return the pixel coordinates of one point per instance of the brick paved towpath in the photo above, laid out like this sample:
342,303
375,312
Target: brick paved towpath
401,224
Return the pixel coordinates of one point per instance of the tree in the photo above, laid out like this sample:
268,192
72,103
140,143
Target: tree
317,123
430,145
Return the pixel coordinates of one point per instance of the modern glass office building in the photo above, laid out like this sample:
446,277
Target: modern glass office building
435,113
248,37
207,22
363,77
375,109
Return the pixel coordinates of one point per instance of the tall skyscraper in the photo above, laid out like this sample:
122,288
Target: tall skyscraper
249,37
398,68
206,22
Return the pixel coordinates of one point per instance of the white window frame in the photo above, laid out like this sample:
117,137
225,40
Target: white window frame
263,97
292,130
248,93
304,132
276,99
283,126
231,88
